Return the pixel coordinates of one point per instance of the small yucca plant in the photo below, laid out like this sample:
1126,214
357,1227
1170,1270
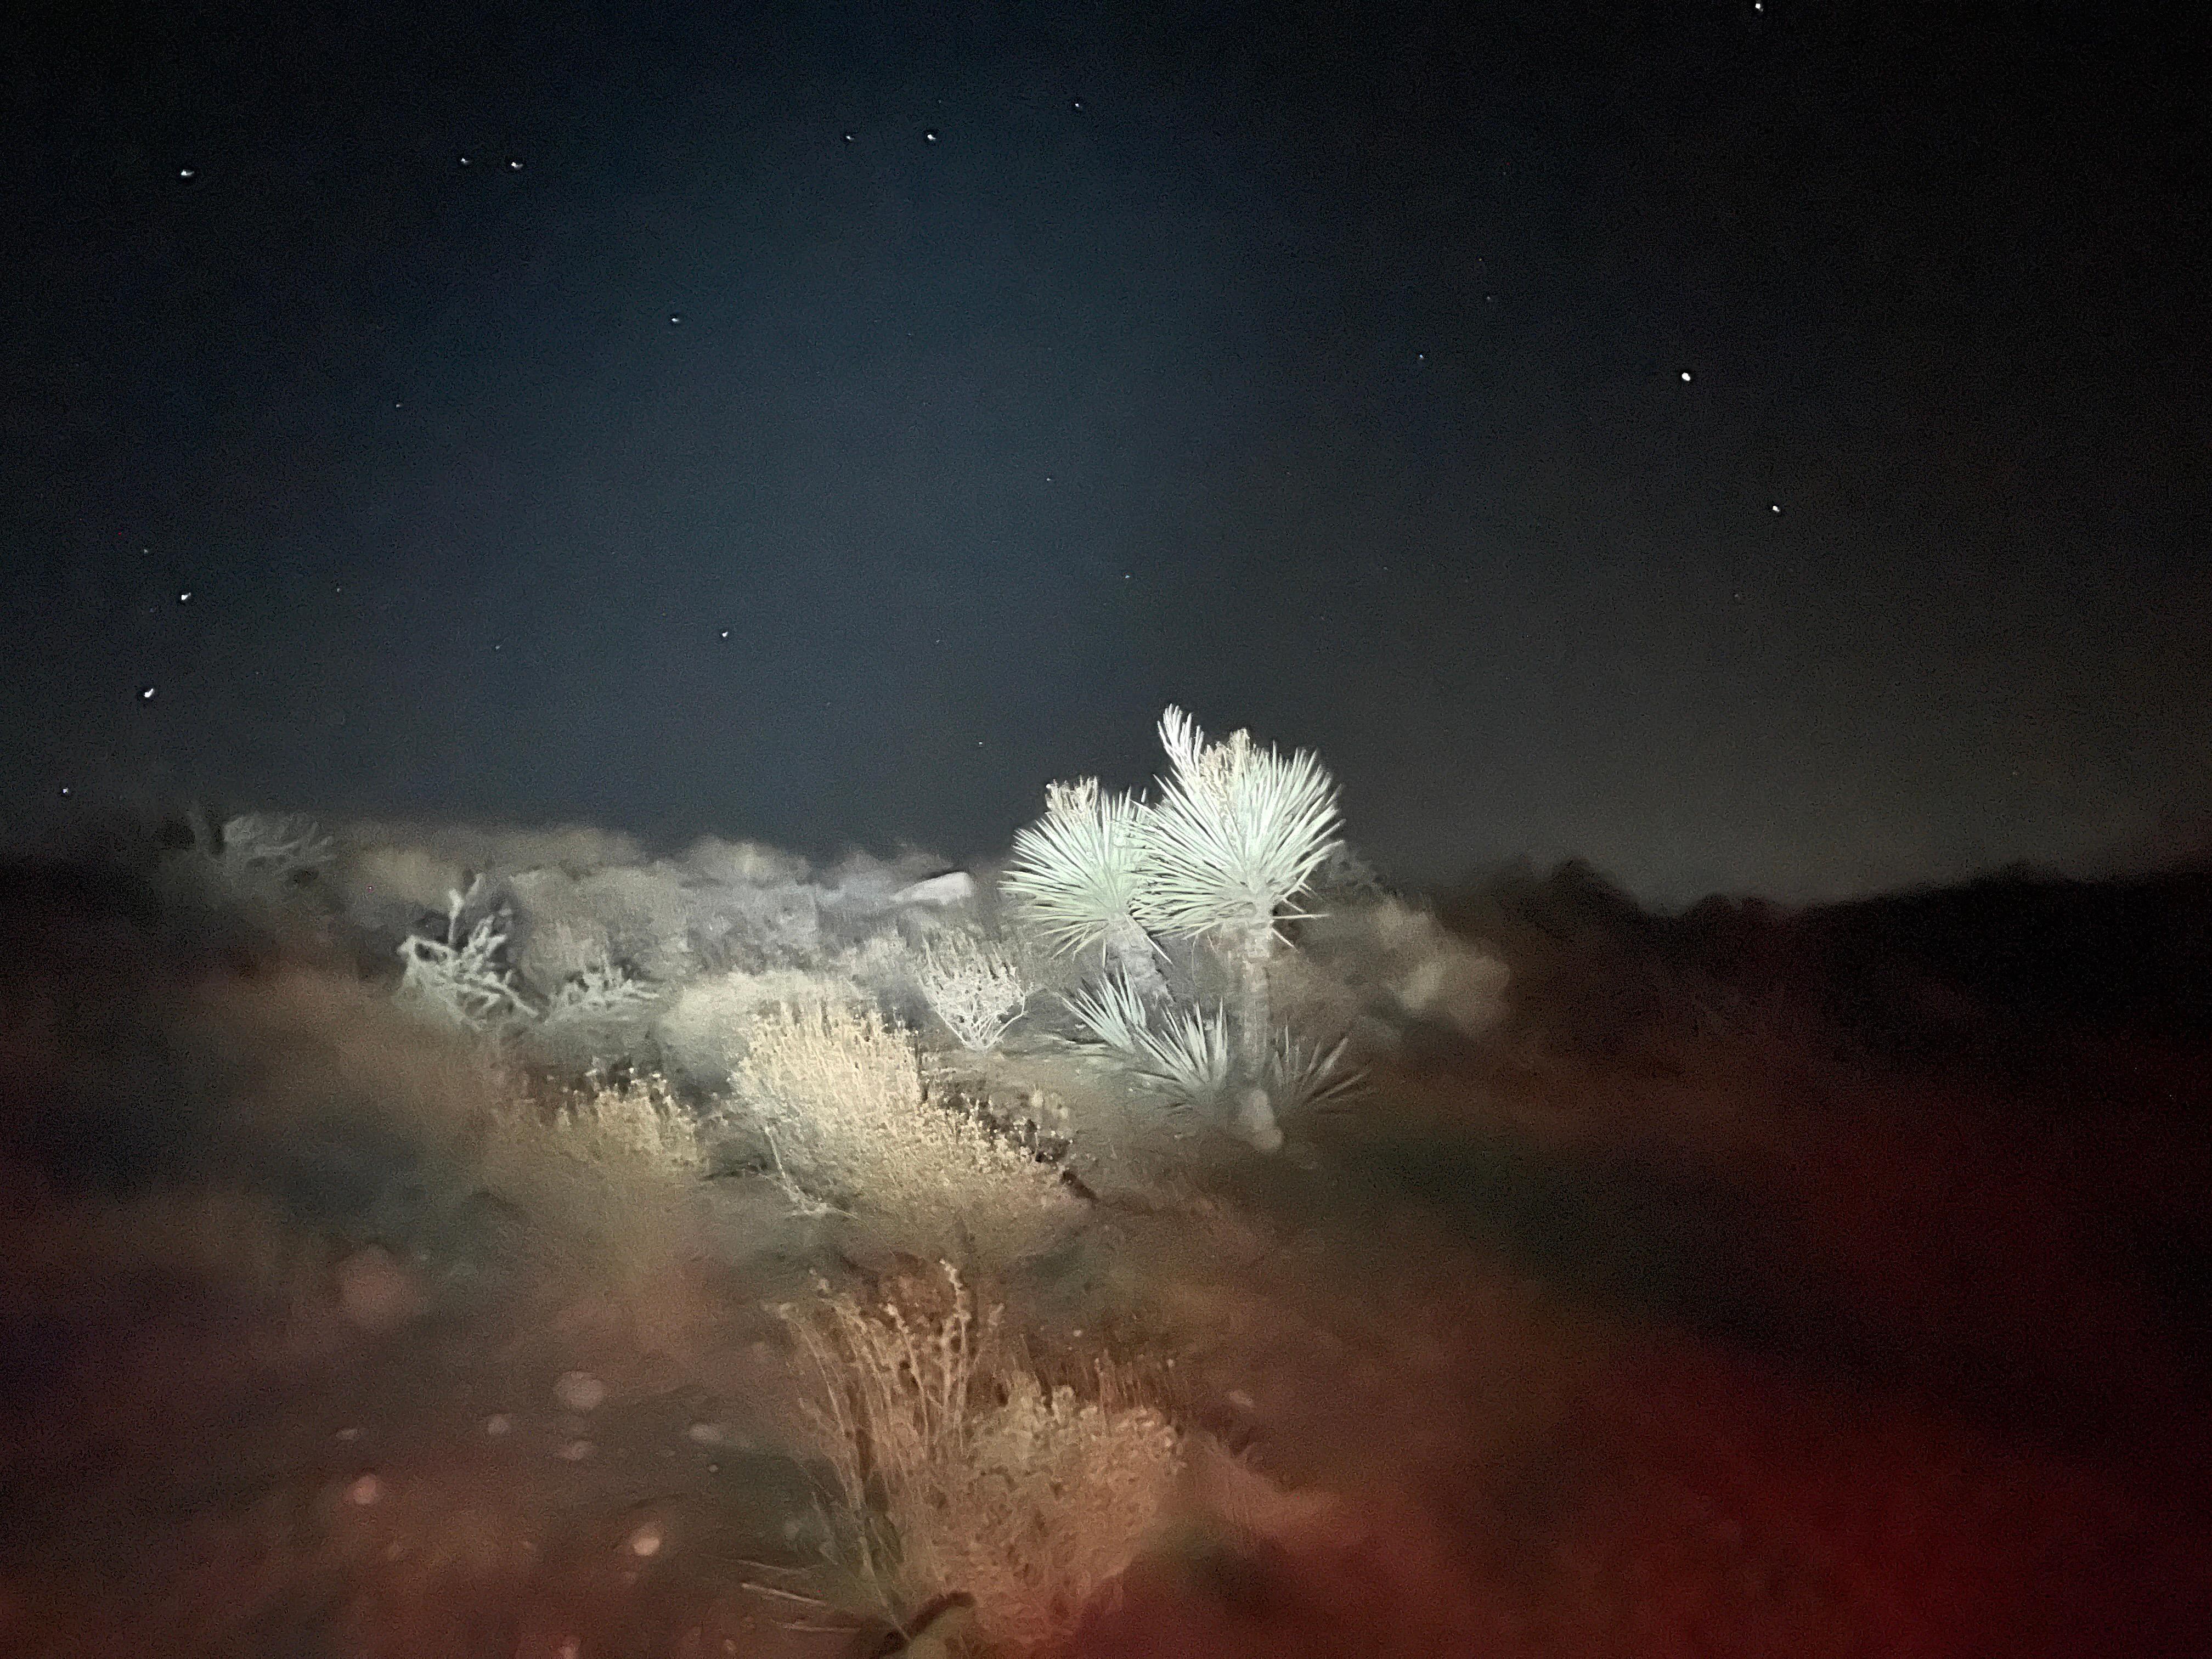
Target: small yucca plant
1238,833
1075,875
1307,1075
1188,1060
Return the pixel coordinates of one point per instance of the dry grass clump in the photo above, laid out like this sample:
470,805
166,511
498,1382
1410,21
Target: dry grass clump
610,1182
838,1093
961,1472
638,1120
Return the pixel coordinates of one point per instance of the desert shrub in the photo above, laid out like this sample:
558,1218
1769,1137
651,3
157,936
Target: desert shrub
638,1119
603,1186
704,1029
597,1014
639,914
837,1091
277,849
882,963
496,847
460,981
755,926
976,987
744,863
1433,973
256,866
554,952
384,890
959,1470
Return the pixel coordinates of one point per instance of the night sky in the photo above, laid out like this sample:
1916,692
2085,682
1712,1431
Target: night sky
1760,448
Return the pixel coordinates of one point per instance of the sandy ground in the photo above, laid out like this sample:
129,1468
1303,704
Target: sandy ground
1725,1348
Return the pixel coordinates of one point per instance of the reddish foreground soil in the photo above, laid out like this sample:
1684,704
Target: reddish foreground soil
1746,1343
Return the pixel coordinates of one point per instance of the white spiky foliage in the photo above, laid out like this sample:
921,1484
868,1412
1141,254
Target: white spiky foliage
1238,833
1076,874
1190,1061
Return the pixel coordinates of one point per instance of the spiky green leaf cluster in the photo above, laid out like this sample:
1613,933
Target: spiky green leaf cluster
1075,872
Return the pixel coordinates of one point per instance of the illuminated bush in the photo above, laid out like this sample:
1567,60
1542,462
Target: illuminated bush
959,1470
976,988
837,1092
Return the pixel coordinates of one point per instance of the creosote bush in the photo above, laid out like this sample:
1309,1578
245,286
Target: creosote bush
958,1470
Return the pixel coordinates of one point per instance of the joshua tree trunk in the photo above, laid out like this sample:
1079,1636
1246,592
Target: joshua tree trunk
1250,950
1129,947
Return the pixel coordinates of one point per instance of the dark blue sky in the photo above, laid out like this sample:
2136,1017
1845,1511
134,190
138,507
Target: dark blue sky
749,460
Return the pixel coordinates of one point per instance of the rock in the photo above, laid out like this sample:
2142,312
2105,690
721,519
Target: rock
954,887
577,1450
580,1391
498,1423
365,1491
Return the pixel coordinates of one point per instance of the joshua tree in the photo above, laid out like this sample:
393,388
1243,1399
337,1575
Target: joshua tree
1238,833
1074,877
